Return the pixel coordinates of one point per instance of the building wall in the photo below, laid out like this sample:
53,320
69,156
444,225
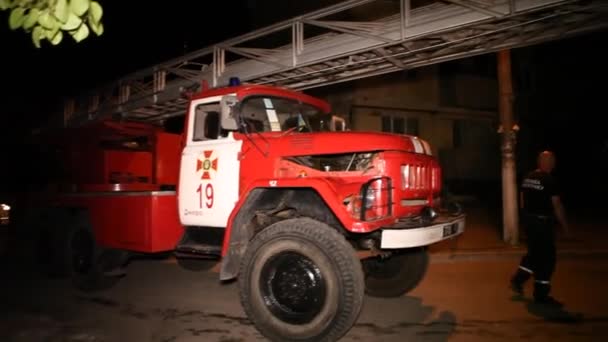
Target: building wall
407,95
469,83
468,91
415,89
474,154
438,132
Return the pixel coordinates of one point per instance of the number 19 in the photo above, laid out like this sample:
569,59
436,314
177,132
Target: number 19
208,195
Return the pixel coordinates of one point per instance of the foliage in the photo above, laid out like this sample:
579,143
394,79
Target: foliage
53,19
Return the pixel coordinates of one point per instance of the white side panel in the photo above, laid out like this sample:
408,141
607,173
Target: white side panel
209,182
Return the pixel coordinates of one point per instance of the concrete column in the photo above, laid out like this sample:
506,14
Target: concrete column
508,139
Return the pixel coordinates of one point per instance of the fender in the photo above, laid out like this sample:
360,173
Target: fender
237,236
323,187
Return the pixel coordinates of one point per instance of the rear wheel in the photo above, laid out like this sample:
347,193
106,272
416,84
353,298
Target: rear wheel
301,281
91,264
396,275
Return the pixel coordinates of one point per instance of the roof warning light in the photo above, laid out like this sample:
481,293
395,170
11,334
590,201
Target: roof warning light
234,81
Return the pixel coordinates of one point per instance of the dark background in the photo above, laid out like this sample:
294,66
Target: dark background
560,86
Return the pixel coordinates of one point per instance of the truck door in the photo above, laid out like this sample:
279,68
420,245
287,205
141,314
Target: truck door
209,170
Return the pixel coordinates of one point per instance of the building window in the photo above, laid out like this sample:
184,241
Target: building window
399,125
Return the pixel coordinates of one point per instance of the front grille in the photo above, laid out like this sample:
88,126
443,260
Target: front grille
419,176
415,177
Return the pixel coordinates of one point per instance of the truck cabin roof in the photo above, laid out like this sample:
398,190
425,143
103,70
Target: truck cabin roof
243,91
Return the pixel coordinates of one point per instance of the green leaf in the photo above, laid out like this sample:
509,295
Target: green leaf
16,18
97,28
72,23
62,10
50,34
31,18
47,21
37,35
57,39
95,12
5,4
79,7
81,33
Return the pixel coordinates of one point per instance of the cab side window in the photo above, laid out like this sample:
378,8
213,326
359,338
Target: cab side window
207,123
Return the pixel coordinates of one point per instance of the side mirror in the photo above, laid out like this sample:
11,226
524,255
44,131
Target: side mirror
228,119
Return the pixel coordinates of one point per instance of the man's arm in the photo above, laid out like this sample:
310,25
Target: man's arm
560,214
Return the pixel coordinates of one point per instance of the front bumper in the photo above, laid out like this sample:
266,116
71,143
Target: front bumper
407,236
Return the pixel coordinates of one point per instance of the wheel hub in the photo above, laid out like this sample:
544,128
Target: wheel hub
293,287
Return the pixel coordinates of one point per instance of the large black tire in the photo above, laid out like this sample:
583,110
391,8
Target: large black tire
89,262
300,280
62,241
396,275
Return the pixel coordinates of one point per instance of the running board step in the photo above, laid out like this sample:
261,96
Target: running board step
199,248
201,242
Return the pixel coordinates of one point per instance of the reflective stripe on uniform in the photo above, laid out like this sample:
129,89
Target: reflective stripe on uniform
544,282
526,269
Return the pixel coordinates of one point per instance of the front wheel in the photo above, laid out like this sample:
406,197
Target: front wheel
301,281
395,275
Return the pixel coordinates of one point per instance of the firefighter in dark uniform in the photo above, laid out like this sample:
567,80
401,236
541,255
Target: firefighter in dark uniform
541,208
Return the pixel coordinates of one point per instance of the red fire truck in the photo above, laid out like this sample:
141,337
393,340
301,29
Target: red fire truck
307,215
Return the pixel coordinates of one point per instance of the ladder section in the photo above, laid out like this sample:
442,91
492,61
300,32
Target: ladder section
329,46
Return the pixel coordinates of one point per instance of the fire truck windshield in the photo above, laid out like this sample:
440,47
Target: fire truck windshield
275,114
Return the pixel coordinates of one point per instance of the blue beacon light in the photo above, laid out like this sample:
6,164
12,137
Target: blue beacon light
234,81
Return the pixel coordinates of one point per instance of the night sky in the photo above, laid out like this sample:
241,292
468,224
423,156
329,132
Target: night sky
562,109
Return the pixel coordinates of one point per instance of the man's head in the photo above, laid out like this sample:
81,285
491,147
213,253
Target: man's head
546,161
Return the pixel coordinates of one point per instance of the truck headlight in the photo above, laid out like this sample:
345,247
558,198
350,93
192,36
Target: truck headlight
376,199
370,198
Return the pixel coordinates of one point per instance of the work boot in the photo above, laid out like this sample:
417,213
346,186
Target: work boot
517,287
541,294
518,280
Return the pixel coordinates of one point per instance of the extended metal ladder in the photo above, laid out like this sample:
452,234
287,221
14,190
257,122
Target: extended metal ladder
319,50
